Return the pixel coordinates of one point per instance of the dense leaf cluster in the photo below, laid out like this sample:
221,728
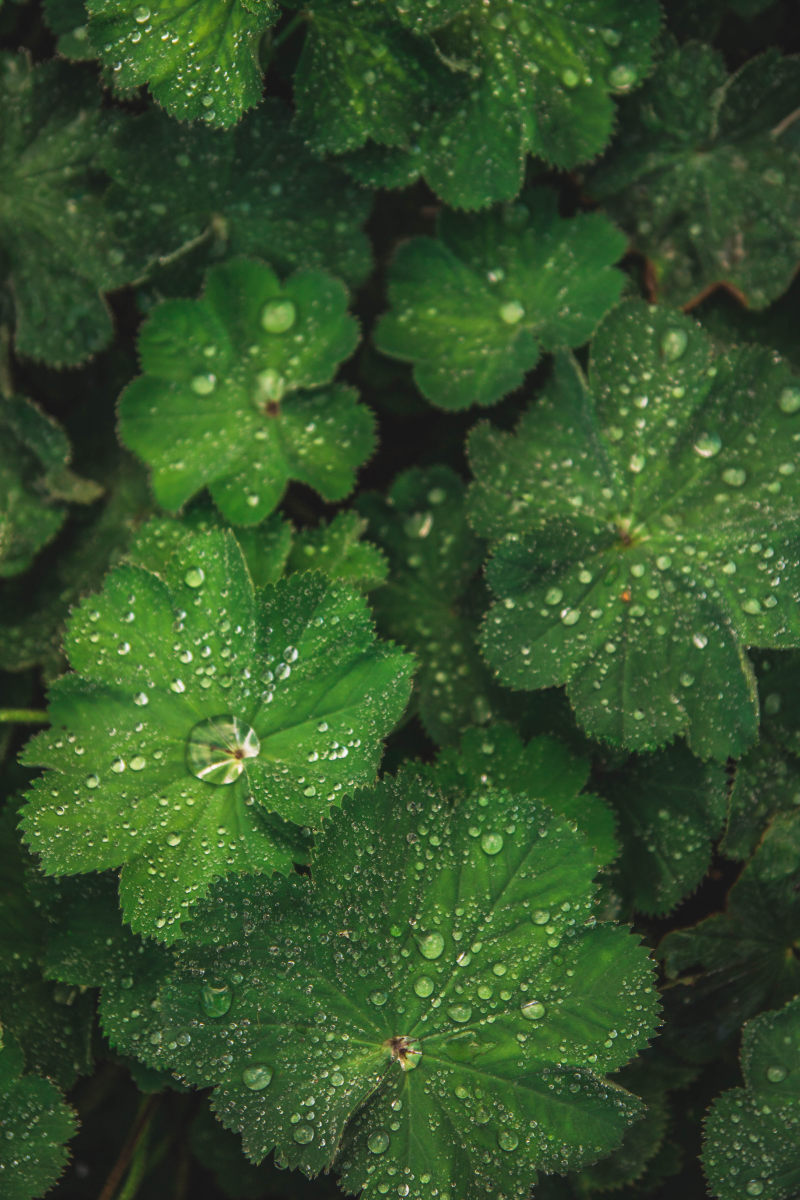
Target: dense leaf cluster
399,599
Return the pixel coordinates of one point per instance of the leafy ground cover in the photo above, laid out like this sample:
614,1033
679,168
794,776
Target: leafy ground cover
399,599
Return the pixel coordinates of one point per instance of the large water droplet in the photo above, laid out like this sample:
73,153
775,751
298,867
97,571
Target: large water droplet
216,1000
423,986
492,843
269,389
431,945
570,78
378,1141
194,577
754,1188
257,1076
776,1074
533,1010
621,78
203,385
789,400
507,1139
303,1134
708,444
734,476
217,749
278,315
460,1013
512,312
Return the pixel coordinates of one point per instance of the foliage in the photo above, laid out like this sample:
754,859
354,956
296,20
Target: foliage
395,801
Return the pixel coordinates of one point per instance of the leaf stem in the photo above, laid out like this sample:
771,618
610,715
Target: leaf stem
23,716
140,1126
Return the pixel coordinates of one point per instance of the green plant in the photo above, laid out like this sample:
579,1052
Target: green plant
399,594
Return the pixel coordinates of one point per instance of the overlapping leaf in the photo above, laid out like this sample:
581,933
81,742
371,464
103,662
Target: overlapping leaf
35,482
473,307
339,549
236,392
705,174
752,1142
670,808
61,245
435,1010
734,964
431,602
205,723
35,1124
199,60
650,519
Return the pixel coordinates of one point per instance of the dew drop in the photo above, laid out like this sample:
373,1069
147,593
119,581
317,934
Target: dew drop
734,476
460,1013
554,595
708,444
512,312
754,1188
92,781
700,640
378,1141
217,749
141,14
789,400
431,945
277,316
423,986
303,1134
621,78
203,385
492,843
378,999
673,343
257,1076
533,1010
507,1139
138,762
216,1000
776,1074
570,78
194,577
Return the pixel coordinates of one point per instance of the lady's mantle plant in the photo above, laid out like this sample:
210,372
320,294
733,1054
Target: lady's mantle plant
394,801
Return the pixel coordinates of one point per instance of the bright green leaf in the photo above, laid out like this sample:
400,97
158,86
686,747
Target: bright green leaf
204,723
229,377
474,307
338,549
670,808
650,513
433,1007
752,1142
35,1124
706,177
200,59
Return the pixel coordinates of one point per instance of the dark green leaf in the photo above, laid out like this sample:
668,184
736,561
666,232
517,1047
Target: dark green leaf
650,514
473,307
35,1124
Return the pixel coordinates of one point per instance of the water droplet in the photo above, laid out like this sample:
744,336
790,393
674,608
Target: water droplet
92,781
194,577
141,699
492,843
533,1010
278,315
708,444
203,385
751,605
507,1139
257,1076
423,986
636,463
378,999
570,616
755,1187
431,945
173,839
700,640
217,749
270,386
118,766
512,312
789,400
141,14
177,686
540,916
138,762
673,343
460,1013
303,1134
621,78
570,78
216,1000
734,476
378,1141
776,1074
553,595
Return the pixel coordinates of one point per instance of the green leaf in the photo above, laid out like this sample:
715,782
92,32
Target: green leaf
499,758
230,375
35,1124
474,307
210,722
427,602
752,1134
35,481
529,77
200,60
704,174
650,513
434,1006
337,549
61,245
747,956
254,190
670,807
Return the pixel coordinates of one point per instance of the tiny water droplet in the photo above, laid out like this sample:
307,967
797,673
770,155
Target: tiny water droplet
734,476
708,444
674,341
203,385
776,1074
570,78
512,312
789,400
